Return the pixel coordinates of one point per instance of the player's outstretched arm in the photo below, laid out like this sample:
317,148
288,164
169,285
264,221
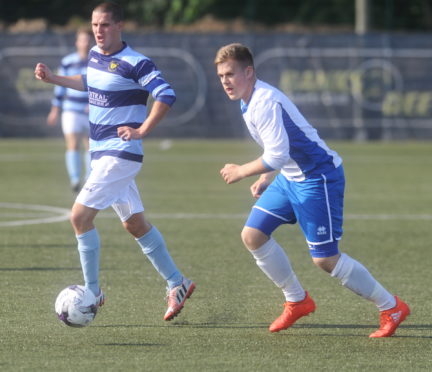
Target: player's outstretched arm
43,72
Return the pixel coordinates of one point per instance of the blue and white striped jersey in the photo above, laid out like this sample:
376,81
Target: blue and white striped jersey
118,86
290,143
66,98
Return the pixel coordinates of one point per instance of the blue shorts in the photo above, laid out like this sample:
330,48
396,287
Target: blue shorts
316,203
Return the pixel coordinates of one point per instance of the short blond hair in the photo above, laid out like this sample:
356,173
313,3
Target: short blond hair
235,51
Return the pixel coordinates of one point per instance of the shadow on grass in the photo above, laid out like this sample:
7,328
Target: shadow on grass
48,269
131,344
41,245
414,327
39,268
185,325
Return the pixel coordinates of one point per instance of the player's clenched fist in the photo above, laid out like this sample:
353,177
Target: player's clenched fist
231,173
42,72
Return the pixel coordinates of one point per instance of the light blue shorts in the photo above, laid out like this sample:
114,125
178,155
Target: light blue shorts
316,203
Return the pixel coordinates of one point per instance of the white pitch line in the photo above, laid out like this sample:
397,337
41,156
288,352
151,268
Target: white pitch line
233,216
62,214
389,217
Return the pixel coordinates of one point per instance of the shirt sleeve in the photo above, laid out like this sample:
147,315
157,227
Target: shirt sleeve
274,137
150,78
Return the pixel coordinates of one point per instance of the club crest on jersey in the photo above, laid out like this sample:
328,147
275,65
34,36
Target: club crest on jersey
113,66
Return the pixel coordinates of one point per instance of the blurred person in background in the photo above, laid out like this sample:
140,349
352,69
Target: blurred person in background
72,107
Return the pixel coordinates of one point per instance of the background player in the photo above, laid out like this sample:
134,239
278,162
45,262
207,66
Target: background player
72,105
309,189
119,81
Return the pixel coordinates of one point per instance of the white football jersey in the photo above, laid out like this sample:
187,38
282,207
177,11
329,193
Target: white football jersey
290,143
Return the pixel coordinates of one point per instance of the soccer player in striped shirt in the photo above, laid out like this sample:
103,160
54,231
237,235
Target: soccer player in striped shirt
119,81
72,106
308,188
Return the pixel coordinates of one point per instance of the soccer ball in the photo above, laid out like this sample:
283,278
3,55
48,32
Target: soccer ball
76,306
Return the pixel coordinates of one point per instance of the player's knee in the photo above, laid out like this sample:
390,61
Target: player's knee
74,218
253,238
326,263
78,221
130,226
81,219
137,225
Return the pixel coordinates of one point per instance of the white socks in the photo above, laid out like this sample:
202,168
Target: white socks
274,262
357,278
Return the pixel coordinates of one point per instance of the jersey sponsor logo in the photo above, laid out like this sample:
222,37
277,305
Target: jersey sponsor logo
113,66
98,99
321,230
94,60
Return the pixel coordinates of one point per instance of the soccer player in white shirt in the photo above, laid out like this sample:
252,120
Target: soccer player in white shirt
301,180
119,81
72,106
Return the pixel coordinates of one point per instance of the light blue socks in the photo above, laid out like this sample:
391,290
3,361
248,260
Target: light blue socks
88,248
153,246
73,166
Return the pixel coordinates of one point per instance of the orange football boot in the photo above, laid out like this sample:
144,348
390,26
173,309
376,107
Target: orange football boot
292,312
391,318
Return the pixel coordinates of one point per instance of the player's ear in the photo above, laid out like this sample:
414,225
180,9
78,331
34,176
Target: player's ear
249,72
120,25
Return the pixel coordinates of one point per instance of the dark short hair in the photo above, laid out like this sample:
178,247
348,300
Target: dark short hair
111,7
235,51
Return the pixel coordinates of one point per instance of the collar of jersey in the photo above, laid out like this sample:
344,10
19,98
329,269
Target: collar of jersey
113,54
243,105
